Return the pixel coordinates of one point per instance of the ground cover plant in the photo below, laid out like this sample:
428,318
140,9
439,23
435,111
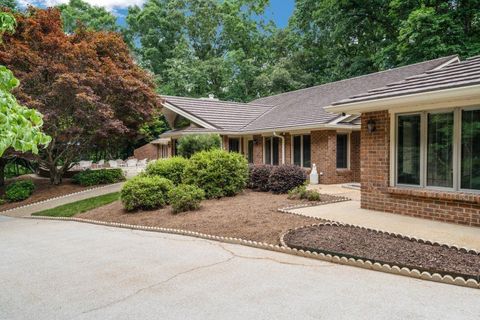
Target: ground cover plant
301,192
71,209
100,176
171,168
219,173
19,190
384,248
146,192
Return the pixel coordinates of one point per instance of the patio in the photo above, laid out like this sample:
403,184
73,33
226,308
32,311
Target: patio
351,213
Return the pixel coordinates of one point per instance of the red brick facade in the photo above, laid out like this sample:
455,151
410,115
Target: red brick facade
323,154
149,151
455,207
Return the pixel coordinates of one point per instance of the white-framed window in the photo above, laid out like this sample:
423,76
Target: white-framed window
301,150
438,149
343,151
270,150
164,151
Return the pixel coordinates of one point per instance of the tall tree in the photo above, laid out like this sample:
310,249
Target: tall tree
89,89
77,13
20,127
10,4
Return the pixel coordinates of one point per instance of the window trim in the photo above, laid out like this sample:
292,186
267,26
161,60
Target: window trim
272,138
456,149
292,150
348,149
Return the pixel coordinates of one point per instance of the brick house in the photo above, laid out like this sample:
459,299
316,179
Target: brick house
420,151
288,128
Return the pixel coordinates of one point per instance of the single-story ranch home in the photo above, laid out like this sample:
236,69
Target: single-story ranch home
420,150
288,128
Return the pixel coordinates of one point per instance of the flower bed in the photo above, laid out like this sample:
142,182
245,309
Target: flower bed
385,248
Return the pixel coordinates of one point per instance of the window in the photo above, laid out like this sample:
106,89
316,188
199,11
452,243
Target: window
301,152
438,149
163,151
470,158
234,144
342,151
271,147
250,151
408,149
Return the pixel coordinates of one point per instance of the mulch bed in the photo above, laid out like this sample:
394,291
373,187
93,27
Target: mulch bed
380,247
250,215
43,191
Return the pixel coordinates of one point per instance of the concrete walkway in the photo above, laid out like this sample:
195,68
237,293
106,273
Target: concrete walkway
52,203
350,212
69,270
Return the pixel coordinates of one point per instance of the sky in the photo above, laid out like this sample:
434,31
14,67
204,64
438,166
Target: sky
279,10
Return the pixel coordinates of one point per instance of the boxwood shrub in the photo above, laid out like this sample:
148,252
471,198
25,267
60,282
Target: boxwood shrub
145,192
217,172
259,176
101,176
171,169
286,177
185,197
19,190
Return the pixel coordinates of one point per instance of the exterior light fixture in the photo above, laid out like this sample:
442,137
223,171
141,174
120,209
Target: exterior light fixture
371,126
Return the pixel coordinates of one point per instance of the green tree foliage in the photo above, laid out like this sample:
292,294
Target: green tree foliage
20,127
191,144
10,4
77,12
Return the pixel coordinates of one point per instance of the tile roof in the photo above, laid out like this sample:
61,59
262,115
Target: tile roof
457,74
300,108
220,114
306,106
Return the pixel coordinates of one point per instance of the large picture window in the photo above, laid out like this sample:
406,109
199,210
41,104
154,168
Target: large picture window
342,151
438,150
301,151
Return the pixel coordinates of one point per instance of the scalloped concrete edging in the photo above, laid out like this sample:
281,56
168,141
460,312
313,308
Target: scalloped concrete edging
404,271
56,198
470,283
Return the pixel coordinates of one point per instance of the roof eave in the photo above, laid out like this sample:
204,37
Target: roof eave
460,96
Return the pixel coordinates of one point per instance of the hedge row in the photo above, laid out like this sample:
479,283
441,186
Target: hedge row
278,179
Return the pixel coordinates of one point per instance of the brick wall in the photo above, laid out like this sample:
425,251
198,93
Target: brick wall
148,151
378,195
324,155
258,149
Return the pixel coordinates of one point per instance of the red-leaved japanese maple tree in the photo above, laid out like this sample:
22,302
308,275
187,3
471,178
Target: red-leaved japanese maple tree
87,86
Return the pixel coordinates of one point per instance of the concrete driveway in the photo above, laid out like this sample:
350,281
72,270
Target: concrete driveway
68,270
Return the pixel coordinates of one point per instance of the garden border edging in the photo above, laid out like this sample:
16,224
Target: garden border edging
56,198
447,279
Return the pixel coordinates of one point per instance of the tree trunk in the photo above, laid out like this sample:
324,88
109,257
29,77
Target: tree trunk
55,175
3,164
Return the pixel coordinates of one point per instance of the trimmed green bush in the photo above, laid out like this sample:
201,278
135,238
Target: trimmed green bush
101,176
171,168
19,190
286,177
145,192
185,197
191,144
259,176
217,172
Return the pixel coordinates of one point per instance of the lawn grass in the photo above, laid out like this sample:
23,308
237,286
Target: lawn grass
71,209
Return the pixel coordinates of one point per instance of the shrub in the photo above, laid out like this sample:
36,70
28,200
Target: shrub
171,169
191,144
185,197
19,190
286,177
146,192
217,172
101,176
259,176
301,192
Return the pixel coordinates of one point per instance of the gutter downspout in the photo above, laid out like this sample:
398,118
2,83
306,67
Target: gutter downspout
283,145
